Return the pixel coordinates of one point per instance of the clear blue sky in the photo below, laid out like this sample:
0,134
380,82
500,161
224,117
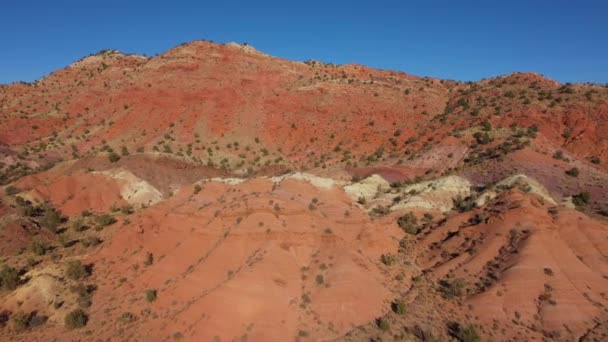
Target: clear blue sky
564,40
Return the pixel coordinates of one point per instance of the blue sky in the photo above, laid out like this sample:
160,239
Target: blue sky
564,40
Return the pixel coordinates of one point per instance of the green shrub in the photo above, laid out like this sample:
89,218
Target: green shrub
9,278
90,241
51,219
399,307
11,190
558,155
468,334
113,157
581,199
76,270
149,259
383,324
573,172
387,259
127,317
150,295
126,209
105,220
408,223
456,288
486,126
39,248
595,160
75,319
20,320
78,224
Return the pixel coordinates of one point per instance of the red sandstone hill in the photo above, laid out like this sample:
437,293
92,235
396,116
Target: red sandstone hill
214,192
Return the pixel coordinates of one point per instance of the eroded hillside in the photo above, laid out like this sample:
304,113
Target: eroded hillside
214,192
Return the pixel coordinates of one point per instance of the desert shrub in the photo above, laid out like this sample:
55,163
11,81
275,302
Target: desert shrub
64,239
408,223
78,224
90,241
76,270
558,155
151,295
573,172
387,259
595,160
127,317
39,248
9,278
149,259
126,209
85,293
399,307
319,279
380,210
467,333
428,217
424,335
486,126
581,199
11,190
75,319
20,320
113,157
197,189
51,219
482,138
463,204
383,324
105,220
452,289
36,319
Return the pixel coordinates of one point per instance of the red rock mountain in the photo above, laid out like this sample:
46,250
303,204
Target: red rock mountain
214,192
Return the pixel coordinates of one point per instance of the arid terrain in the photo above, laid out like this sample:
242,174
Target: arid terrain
216,193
